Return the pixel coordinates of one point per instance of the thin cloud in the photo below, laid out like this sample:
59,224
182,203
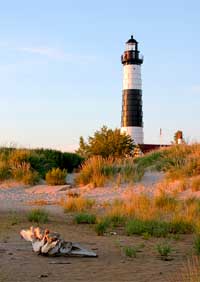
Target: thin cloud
56,54
44,51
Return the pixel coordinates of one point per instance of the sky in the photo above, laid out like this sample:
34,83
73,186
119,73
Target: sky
61,75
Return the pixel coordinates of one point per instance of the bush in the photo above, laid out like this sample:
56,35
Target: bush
38,216
85,218
106,142
56,176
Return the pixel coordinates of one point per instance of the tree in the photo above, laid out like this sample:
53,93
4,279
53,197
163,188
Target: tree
178,136
106,142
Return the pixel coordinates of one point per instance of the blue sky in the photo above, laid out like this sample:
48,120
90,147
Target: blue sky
61,76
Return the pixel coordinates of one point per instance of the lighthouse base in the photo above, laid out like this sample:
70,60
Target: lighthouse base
135,132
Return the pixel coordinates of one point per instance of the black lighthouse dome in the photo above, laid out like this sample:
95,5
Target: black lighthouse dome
131,54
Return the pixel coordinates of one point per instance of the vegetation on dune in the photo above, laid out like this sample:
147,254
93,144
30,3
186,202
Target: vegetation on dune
29,166
106,142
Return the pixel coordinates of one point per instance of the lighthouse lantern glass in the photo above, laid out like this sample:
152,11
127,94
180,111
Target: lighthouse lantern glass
130,46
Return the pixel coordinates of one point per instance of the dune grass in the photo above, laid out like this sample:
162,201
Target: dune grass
85,218
98,171
38,216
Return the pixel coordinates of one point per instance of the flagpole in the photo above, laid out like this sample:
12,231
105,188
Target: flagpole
160,137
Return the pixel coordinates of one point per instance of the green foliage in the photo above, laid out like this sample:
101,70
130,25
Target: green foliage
13,162
106,142
102,226
85,218
56,176
38,216
164,250
130,251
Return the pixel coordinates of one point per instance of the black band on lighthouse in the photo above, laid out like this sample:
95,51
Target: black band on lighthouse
132,108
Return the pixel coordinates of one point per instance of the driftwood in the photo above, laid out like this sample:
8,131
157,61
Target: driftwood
51,244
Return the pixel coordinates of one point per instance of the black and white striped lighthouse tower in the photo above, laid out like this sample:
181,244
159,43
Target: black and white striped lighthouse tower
132,115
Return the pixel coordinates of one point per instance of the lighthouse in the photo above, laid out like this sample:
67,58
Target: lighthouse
132,115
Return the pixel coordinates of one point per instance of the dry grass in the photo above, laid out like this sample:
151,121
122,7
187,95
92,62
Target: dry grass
77,204
195,184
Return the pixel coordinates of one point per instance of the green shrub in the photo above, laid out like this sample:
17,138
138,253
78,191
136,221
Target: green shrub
85,218
130,251
56,176
38,216
164,250
5,172
102,226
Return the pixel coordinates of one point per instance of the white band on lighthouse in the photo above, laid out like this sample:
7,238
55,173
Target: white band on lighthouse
135,132
132,77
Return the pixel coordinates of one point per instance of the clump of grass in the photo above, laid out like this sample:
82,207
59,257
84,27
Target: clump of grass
164,250
157,228
195,184
78,204
102,226
56,176
117,220
130,252
38,216
85,218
